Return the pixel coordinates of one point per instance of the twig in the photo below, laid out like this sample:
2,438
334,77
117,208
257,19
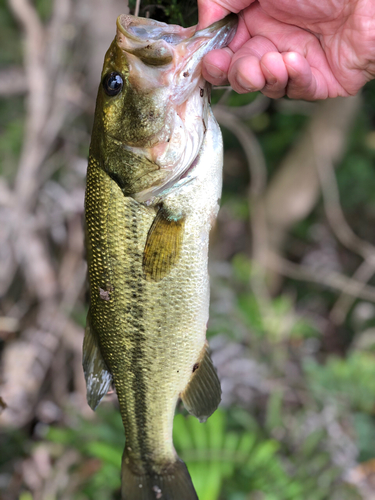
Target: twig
254,108
258,171
37,108
250,145
295,107
340,227
59,479
258,223
332,206
223,99
342,305
12,81
137,7
25,216
56,39
42,64
331,279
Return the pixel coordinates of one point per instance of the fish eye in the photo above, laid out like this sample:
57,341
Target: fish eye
113,83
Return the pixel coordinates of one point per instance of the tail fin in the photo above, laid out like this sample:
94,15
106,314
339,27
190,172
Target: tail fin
173,483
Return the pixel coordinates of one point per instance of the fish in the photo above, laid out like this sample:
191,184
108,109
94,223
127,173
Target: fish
153,190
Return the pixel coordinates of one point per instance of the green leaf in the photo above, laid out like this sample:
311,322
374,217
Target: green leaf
105,452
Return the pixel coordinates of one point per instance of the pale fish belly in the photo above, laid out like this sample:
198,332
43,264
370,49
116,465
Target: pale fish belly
175,309
179,303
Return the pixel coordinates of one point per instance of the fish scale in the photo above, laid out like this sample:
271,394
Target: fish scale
147,257
173,304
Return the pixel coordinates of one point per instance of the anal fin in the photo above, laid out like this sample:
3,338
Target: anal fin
202,395
97,375
163,245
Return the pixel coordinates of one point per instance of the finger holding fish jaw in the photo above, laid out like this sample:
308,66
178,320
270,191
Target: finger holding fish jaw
272,73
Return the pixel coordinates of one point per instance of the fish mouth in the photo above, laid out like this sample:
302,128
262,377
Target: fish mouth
156,43
165,63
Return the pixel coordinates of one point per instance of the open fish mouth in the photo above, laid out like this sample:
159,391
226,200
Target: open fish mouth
156,43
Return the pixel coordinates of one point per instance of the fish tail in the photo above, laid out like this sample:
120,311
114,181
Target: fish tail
173,482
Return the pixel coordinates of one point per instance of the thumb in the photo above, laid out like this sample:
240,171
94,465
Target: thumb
209,12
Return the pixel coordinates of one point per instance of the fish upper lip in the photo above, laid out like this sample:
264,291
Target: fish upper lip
159,42
126,22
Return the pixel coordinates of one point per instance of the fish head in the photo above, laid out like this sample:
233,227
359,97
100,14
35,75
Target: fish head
152,99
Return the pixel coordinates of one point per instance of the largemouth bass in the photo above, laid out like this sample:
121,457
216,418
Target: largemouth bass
153,190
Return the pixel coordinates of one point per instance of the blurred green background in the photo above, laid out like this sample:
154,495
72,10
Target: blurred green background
292,322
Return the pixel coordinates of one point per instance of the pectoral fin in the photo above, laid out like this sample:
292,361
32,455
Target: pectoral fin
98,378
202,395
163,245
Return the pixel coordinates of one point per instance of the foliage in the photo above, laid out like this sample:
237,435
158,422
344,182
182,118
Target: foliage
172,12
229,455
349,382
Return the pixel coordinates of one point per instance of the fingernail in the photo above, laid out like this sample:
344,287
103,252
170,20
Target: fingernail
244,84
271,80
270,77
214,71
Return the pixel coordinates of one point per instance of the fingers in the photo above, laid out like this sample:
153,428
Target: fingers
274,74
269,55
305,82
267,74
257,65
216,66
251,68
274,57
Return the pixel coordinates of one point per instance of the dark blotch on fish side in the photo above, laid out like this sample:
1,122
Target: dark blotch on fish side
195,367
104,294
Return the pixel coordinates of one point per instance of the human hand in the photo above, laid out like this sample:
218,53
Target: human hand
306,50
